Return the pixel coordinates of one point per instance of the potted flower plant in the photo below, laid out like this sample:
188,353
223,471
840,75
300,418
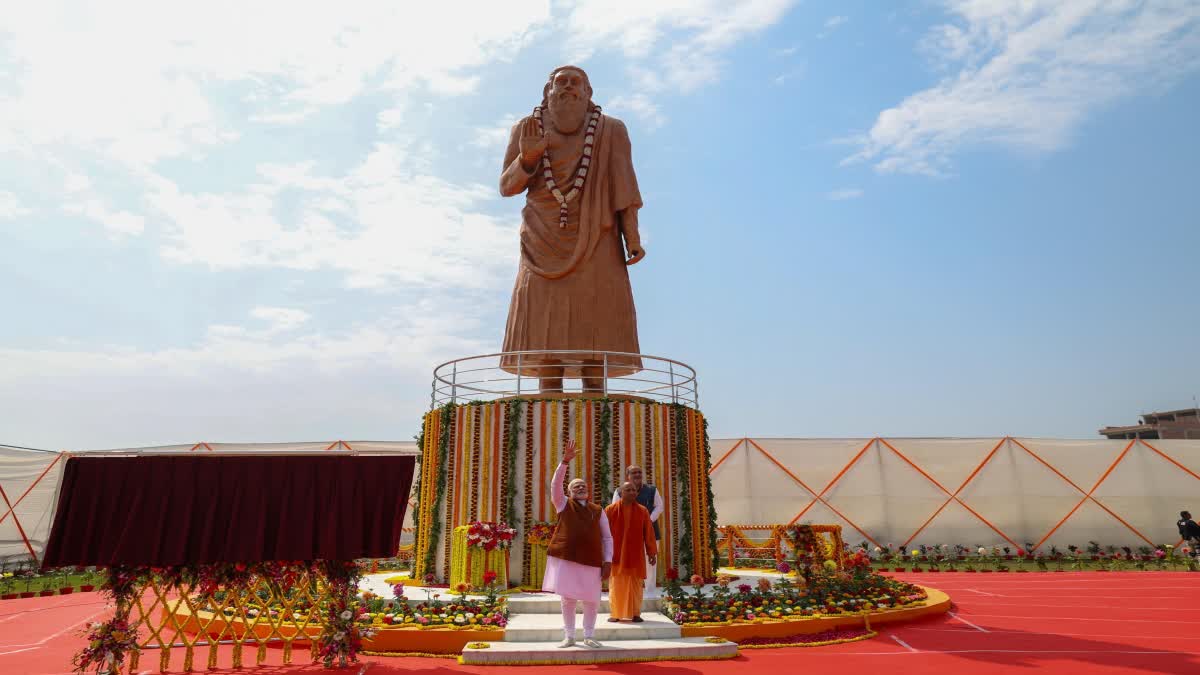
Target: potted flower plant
47,581
7,580
89,578
27,575
64,583
950,560
915,558
1000,557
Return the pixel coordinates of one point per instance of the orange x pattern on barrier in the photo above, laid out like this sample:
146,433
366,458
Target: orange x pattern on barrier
816,497
819,497
12,506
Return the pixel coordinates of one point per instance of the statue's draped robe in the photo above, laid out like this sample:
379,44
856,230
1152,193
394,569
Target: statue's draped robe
572,290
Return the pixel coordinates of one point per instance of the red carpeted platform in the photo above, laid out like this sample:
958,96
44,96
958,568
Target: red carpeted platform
1093,622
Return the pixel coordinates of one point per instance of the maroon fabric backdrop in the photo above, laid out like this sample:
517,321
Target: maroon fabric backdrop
172,510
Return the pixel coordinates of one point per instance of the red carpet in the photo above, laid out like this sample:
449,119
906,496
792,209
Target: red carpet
1094,622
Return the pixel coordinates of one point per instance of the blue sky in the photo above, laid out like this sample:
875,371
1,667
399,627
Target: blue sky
954,218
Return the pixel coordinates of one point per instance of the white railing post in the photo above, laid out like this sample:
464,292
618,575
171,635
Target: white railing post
604,377
518,372
674,392
454,384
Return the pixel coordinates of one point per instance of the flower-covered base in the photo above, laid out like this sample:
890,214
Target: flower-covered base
784,630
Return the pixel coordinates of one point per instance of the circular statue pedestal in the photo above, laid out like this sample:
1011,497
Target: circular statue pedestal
493,461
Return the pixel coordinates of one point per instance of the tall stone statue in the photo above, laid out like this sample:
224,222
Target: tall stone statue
579,232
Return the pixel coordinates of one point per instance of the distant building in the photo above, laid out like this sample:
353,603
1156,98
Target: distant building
1170,424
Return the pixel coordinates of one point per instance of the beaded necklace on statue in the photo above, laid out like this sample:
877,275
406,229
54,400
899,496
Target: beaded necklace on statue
589,139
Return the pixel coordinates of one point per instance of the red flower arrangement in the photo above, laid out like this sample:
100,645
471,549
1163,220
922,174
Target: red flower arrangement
490,536
108,642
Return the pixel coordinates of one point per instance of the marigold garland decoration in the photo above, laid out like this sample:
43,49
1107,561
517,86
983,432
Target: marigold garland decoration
832,637
668,440
457,419
479,645
423,655
711,539
512,423
686,554
434,468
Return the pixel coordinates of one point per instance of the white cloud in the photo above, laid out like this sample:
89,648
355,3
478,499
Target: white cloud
697,31
239,384
495,137
640,105
846,193
414,337
164,81
10,206
794,73
390,118
77,182
1026,75
835,21
281,319
381,225
831,24
117,222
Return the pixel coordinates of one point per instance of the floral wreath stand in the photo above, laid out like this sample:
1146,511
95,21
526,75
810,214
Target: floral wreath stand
468,564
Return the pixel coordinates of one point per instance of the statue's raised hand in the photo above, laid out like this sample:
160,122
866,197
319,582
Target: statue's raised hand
532,143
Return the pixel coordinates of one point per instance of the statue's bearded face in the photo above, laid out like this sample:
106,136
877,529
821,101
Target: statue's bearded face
567,95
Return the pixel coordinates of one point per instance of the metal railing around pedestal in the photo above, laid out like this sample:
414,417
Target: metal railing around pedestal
525,373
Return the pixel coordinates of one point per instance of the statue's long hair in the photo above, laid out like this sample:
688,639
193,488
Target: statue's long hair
550,83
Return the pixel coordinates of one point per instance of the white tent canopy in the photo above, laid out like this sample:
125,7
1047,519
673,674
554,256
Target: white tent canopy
971,491
28,491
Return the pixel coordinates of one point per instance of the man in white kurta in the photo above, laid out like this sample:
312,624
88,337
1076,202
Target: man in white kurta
580,552
649,497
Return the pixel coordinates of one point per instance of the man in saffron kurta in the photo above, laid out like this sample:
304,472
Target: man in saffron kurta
649,497
633,545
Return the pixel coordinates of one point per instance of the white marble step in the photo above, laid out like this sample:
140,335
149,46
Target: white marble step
527,603
548,628
547,603
517,653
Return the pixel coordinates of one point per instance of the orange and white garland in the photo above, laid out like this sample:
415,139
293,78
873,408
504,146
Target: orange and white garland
589,141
